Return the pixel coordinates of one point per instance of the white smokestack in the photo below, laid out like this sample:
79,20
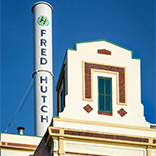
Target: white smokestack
43,95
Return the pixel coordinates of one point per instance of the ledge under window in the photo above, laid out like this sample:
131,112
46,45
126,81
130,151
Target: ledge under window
105,113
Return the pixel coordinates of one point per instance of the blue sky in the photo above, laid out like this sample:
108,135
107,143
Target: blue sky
129,23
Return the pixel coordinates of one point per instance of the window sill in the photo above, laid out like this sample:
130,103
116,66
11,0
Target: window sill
105,113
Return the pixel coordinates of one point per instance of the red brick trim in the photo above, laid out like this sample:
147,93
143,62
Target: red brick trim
119,70
21,145
104,51
54,152
3,143
104,113
18,145
105,136
55,131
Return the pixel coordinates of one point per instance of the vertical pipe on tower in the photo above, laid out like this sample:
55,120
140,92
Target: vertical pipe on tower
42,28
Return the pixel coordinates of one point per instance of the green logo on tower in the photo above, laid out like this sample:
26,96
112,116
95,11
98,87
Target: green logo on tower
43,21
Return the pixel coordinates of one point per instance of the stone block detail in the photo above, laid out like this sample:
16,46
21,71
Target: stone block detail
122,112
104,51
88,108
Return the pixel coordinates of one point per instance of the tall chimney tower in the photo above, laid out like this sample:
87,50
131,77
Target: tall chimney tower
43,95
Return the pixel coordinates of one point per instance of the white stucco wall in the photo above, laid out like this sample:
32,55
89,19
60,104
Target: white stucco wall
119,57
15,153
16,138
153,152
19,140
100,149
107,128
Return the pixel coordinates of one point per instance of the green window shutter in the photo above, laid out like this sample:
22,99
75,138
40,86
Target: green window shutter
105,94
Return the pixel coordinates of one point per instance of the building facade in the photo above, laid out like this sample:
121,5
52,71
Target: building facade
99,109
18,145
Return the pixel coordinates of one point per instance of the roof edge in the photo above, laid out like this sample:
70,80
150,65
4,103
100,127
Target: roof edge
22,135
75,46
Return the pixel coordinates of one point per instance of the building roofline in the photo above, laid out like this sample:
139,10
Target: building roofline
75,46
22,135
